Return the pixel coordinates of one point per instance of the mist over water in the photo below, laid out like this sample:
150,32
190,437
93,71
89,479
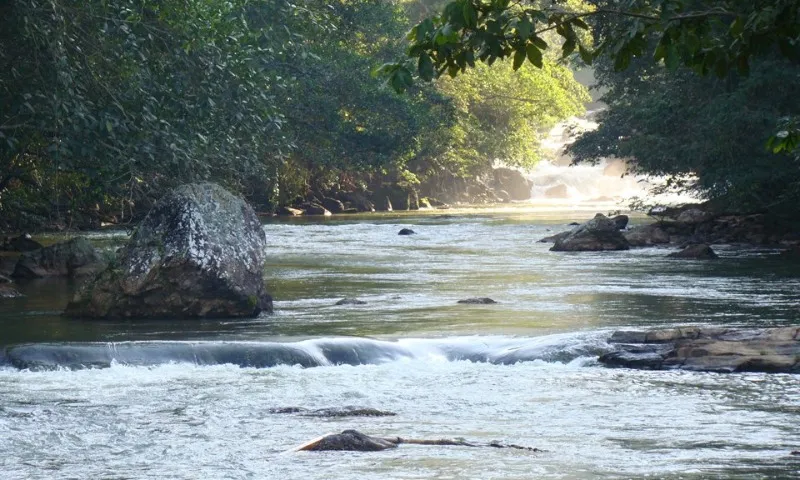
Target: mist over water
194,399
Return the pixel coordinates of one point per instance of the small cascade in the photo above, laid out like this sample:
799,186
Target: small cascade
555,181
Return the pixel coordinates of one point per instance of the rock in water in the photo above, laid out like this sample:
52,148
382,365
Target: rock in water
351,301
351,440
646,235
599,233
198,253
7,289
72,258
406,231
708,349
695,252
477,301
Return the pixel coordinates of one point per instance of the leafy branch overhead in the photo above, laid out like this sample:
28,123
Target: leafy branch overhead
717,36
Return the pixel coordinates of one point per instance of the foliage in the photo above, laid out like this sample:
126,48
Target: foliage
706,36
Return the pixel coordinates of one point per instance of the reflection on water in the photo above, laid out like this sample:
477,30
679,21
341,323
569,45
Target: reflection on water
181,399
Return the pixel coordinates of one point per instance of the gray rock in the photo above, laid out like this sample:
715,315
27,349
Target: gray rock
349,440
406,231
557,191
351,301
646,235
198,253
599,233
477,301
695,252
73,258
334,412
712,349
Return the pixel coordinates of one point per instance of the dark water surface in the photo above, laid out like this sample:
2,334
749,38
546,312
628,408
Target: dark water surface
192,399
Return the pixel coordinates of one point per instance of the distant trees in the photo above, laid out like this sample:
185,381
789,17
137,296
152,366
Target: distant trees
104,105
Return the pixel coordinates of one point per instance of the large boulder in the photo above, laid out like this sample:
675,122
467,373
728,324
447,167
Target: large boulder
599,233
332,205
710,349
198,253
72,258
351,440
513,182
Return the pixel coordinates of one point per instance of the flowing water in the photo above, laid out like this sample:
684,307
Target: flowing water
196,399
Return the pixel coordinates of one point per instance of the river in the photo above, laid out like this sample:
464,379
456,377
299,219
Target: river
196,399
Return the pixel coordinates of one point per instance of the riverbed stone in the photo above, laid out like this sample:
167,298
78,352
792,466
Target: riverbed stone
556,237
599,233
695,252
711,349
198,253
406,231
73,258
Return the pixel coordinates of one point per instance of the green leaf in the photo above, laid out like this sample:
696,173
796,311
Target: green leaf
586,55
519,58
425,67
470,14
524,28
540,44
109,126
569,47
534,55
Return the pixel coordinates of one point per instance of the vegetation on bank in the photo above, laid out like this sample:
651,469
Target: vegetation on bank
106,105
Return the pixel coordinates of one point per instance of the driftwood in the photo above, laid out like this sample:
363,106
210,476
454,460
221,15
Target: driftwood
352,440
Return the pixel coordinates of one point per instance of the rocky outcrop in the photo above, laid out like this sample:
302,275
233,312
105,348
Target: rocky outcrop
198,253
513,182
695,252
477,301
556,237
357,201
647,235
73,258
709,349
599,233
557,191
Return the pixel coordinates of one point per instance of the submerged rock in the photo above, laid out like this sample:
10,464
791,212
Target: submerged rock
350,440
72,258
351,301
599,233
198,253
406,231
696,252
771,350
477,301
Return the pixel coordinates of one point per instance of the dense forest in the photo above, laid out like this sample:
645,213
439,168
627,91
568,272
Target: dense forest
106,105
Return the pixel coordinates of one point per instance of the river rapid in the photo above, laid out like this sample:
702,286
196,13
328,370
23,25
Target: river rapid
197,399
